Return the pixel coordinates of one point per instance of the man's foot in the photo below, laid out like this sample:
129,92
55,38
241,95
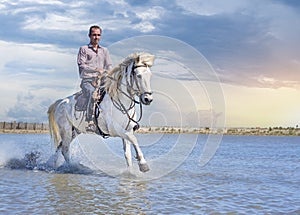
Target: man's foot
91,128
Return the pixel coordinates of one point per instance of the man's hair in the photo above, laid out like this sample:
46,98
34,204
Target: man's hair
94,26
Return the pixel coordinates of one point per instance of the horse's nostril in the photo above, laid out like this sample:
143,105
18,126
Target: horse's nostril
147,101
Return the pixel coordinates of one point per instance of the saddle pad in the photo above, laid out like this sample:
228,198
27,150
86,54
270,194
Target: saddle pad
81,102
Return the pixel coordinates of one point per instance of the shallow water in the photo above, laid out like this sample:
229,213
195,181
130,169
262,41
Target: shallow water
247,175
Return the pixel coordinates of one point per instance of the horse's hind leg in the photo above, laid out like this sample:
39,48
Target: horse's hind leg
66,150
66,135
52,161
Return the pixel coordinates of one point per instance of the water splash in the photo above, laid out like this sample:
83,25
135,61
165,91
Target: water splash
8,152
30,161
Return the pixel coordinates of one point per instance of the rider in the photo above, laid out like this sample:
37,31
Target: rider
93,60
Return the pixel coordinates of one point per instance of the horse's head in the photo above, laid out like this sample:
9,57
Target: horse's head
131,77
142,75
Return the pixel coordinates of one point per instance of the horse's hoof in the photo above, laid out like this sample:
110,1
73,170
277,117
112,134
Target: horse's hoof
144,167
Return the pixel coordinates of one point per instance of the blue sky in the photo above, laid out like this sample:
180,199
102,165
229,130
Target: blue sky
252,45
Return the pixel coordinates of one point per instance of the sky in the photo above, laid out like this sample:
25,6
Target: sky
232,63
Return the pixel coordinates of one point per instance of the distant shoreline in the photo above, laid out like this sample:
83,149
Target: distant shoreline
23,128
275,131
35,128
22,131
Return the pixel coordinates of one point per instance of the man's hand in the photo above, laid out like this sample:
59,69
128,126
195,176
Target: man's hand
101,71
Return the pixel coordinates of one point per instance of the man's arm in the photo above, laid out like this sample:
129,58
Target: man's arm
108,63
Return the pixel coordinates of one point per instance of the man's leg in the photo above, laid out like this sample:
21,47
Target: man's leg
88,91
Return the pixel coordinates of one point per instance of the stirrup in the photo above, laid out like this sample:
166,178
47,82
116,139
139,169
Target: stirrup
91,128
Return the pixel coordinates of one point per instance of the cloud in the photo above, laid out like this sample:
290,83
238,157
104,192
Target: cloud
273,83
237,37
248,43
213,7
45,72
244,40
29,108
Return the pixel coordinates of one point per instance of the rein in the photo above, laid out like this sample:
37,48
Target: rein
120,106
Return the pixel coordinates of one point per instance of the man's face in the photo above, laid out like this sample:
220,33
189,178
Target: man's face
95,36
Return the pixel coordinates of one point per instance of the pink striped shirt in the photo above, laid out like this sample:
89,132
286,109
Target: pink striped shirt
89,60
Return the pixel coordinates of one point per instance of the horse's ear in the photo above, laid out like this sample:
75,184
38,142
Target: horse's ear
147,59
138,59
150,60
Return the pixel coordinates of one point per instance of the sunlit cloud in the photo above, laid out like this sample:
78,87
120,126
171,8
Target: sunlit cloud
268,82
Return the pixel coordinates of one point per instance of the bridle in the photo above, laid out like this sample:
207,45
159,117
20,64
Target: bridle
130,93
133,79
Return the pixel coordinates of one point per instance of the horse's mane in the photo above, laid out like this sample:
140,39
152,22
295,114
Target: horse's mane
114,76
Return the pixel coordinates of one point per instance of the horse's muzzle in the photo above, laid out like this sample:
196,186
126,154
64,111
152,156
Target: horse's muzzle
146,98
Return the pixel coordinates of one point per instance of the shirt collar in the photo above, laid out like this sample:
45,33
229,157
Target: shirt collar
91,46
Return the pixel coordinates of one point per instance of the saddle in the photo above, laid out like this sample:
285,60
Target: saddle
82,100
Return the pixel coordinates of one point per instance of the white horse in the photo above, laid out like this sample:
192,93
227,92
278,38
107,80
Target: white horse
115,115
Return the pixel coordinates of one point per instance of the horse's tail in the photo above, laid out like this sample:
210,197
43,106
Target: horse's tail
53,127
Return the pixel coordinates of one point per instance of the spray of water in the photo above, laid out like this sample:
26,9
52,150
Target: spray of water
8,152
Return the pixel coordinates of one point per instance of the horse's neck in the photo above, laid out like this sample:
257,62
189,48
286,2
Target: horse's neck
121,92
128,98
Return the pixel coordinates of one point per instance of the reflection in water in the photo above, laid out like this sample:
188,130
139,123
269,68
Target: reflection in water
77,193
135,196
68,196
249,175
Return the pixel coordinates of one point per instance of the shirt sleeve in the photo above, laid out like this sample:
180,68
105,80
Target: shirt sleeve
85,71
107,63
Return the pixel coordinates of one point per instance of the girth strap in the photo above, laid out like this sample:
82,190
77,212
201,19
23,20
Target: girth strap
97,113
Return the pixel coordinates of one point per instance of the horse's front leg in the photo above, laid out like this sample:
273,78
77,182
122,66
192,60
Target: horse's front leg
127,153
139,154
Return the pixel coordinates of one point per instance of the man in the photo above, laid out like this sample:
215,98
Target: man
92,61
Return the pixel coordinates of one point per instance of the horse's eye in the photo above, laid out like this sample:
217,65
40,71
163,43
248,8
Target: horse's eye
139,75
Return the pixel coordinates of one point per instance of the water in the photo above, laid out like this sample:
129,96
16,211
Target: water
247,175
